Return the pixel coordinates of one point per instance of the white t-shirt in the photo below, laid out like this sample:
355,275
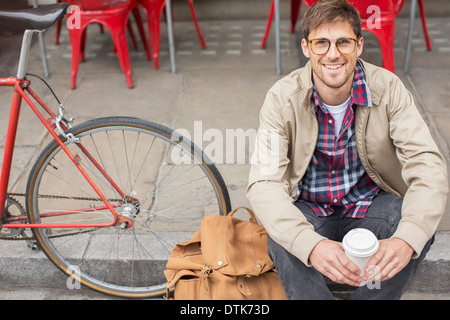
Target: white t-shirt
338,113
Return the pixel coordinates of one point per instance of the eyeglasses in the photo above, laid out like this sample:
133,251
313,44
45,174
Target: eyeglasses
343,45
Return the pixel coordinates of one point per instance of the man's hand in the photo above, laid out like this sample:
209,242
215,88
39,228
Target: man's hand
329,258
392,256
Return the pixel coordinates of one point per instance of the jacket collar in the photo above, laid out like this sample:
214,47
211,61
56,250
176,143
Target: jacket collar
376,89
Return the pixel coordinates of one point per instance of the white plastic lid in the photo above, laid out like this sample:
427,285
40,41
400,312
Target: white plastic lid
360,242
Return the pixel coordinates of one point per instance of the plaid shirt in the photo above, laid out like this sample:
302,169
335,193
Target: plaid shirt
335,175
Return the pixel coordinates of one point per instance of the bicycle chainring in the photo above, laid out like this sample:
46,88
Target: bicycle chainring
12,209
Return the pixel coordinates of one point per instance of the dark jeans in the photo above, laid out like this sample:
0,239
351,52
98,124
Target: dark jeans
302,282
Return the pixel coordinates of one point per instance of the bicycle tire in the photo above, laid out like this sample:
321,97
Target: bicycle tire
180,186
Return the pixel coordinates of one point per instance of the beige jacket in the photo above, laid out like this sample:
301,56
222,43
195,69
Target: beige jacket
394,145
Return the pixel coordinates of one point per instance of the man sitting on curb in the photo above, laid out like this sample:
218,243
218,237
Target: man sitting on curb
341,145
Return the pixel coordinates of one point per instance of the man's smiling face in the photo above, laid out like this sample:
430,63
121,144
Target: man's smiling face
333,69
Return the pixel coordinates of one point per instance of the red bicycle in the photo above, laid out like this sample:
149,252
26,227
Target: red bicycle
107,199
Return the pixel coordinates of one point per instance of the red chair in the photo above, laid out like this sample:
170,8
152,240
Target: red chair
153,10
137,17
112,14
383,27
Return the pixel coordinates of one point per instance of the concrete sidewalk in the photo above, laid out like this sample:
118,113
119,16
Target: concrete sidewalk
221,87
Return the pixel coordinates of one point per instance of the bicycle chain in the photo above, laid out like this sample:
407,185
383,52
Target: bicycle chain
21,237
61,197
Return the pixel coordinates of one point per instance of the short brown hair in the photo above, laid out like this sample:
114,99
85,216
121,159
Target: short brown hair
328,11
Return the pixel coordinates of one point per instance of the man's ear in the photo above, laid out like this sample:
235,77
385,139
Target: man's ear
360,46
305,48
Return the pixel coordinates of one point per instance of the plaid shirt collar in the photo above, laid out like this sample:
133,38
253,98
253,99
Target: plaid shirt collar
361,95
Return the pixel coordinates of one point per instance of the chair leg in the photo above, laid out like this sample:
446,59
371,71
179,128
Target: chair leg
424,24
138,18
388,57
57,31
295,11
155,33
75,40
120,42
153,12
130,31
386,37
194,17
269,23
83,44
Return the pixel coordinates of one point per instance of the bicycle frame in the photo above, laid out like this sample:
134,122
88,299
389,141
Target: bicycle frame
21,85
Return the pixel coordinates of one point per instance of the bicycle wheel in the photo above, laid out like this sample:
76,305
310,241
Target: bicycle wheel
160,181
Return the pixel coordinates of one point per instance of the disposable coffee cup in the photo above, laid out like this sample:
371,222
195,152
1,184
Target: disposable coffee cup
359,245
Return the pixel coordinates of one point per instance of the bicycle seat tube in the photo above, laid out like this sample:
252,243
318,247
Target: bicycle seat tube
24,52
14,114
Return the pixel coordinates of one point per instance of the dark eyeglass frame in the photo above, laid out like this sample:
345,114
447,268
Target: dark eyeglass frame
329,45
